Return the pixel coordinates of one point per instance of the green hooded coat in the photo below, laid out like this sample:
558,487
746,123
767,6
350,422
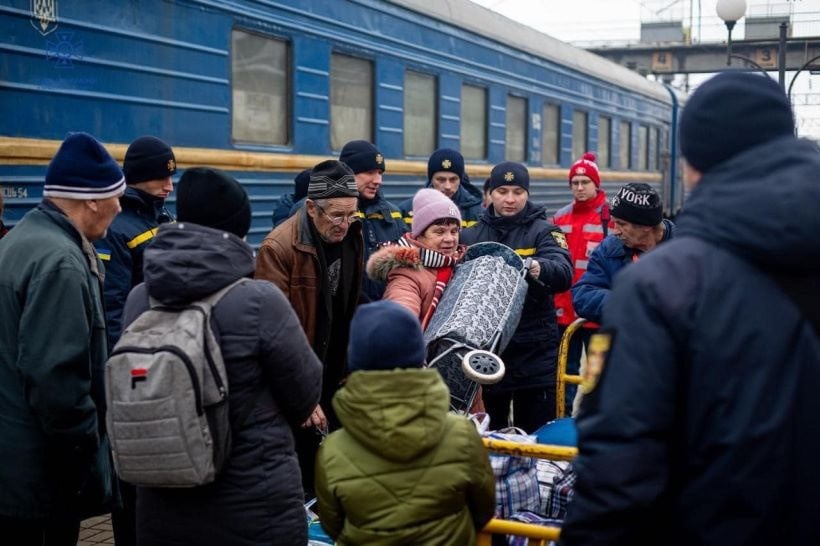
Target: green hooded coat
402,470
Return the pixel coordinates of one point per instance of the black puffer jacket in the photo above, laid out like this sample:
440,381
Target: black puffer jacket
703,426
530,356
257,499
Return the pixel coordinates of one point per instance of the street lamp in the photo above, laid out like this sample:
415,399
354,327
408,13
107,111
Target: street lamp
733,10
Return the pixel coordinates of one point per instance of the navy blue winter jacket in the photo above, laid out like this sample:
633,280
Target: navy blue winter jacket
535,341
283,209
591,292
122,248
703,426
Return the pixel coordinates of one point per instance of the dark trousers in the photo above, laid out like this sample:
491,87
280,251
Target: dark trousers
580,340
307,442
531,408
39,533
124,518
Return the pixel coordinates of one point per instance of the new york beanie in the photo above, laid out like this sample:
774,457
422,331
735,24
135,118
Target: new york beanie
637,203
731,113
510,173
586,166
430,205
384,335
83,169
445,159
148,158
213,198
362,156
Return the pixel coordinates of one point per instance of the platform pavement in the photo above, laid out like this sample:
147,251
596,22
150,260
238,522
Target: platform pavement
96,530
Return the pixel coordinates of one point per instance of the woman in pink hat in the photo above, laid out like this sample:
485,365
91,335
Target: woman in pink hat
418,268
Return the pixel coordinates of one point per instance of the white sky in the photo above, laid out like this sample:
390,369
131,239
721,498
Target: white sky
598,22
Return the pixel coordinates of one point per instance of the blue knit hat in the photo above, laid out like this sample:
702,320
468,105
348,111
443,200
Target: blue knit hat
83,169
384,335
731,113
510,173
445,159
361,156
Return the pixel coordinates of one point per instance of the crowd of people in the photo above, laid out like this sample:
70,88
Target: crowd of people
697,421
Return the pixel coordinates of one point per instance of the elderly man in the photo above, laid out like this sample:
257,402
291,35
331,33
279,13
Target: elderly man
54,466
701,429
316,258
638,227
445,173
381,220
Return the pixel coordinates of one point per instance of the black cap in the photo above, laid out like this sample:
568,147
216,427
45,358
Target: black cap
213,198
362,156
148,158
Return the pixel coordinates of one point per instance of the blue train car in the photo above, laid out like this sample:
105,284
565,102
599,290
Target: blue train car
265,88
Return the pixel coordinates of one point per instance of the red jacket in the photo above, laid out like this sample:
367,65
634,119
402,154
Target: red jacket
582,223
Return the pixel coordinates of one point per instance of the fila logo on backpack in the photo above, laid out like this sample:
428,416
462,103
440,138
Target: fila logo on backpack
167,393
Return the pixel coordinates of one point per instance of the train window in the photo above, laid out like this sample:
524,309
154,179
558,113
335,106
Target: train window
551,128
625,141
419,114
516,141
643,145
604,141
351,100
473,122
652,150
579,134
260,86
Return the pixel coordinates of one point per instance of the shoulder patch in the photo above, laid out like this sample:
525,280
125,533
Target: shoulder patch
560,238
600,345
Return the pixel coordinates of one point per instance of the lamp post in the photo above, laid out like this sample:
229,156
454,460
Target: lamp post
733,10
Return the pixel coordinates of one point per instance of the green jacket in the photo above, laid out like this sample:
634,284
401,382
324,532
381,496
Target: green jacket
52,354
402,470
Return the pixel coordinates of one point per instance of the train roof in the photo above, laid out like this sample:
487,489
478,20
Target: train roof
475,18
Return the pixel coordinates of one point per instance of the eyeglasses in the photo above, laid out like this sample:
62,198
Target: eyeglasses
580,183
337,220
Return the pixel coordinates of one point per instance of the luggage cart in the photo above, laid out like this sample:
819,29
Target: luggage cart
475,319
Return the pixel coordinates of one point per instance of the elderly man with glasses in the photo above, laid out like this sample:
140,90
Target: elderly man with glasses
316,258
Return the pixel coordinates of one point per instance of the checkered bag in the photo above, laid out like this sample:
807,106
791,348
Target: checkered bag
563,486
516,478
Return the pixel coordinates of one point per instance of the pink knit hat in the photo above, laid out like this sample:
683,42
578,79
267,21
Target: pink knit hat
430,205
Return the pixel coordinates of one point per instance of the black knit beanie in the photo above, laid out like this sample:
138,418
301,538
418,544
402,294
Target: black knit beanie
362,156
148,158
637,203
213,198
510,173
731,113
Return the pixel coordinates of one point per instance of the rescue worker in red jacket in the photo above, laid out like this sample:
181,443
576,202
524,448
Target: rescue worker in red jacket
585,222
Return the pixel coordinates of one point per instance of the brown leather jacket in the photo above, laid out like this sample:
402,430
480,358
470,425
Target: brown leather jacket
288,258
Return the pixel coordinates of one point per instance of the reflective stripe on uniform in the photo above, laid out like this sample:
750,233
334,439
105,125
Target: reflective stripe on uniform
593,228
523,252
581,264
566,228
141,238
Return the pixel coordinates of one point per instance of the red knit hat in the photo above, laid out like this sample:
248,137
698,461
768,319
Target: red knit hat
586,166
